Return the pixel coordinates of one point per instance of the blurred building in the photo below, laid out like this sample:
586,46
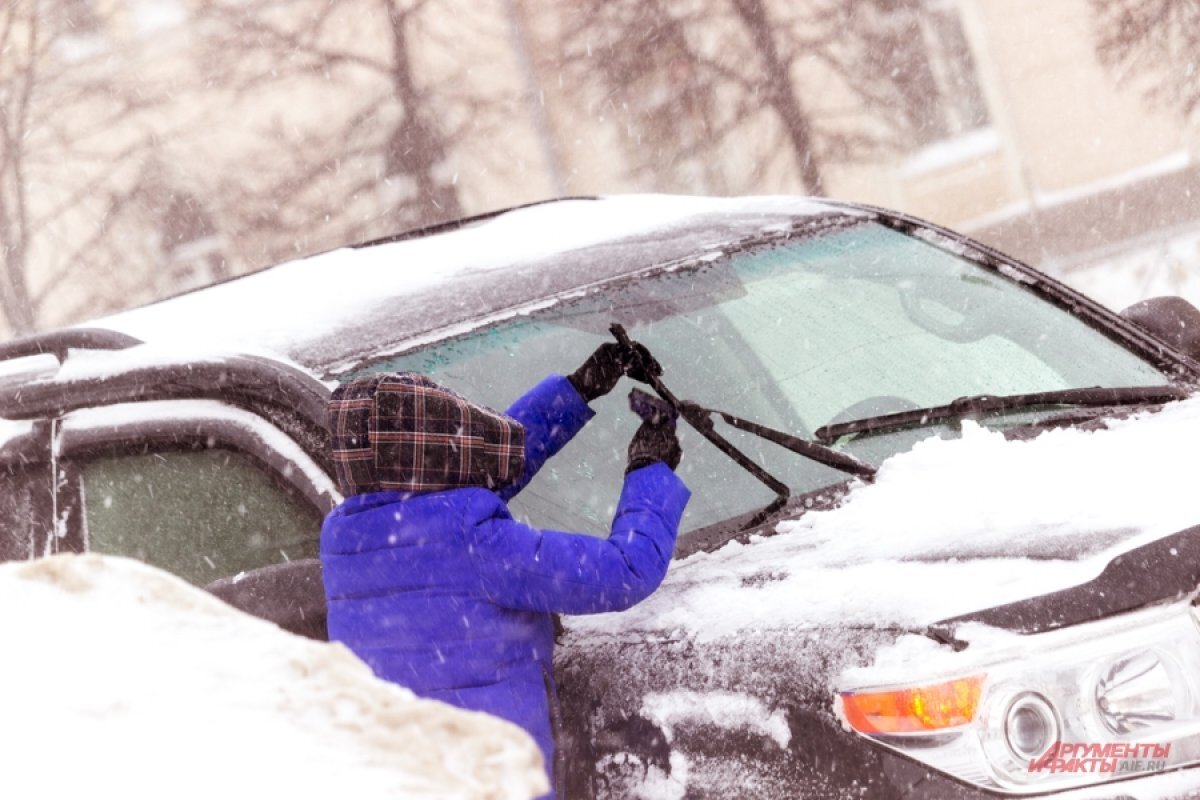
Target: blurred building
1024,140
222,149
1062,167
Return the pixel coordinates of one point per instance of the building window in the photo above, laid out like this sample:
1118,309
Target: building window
936,76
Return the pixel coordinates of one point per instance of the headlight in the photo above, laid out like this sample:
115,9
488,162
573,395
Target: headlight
1036,713
1030,727
1140,690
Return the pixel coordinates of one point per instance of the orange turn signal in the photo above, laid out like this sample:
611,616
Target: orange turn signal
918,710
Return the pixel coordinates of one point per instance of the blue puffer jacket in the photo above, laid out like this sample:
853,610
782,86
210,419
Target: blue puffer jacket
445,593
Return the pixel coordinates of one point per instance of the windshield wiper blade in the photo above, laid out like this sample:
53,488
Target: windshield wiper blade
700,419
703,425
1096,396
815,451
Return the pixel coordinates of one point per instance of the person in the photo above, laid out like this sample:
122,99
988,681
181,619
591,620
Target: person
430,580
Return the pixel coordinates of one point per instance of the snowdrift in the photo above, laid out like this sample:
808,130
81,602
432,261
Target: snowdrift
121,679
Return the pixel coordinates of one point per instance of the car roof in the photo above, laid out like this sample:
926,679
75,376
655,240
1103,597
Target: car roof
329,312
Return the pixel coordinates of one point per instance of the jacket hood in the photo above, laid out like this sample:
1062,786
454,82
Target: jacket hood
404,432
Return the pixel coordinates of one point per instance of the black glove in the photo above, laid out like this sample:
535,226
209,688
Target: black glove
654,443
599,374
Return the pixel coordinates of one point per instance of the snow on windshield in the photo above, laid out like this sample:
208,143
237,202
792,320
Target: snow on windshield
149,688
325,290
950,527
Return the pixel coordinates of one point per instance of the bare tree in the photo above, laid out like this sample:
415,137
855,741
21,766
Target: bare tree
417,145
18,33
387,149
727,74
1156,41
260,131
69,142
780,91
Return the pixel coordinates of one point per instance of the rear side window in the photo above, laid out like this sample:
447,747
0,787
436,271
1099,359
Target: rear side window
202,515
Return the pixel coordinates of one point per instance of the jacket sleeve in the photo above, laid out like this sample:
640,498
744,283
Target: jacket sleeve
528,569
551,413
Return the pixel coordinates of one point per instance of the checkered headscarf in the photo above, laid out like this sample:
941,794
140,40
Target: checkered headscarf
403,432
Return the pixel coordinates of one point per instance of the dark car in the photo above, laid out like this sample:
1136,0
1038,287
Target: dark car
812,348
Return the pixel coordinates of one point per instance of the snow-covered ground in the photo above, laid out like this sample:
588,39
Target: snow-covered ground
1164,266
120,680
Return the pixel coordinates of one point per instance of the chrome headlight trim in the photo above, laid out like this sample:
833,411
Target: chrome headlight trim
1116,698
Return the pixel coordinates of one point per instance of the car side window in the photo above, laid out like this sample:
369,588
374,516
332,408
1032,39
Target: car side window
201,514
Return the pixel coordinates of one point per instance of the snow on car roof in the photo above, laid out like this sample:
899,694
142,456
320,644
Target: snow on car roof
154,688
193,411
345,303
13,429
950,527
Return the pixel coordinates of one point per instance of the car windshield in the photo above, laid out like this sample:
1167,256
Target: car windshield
834,325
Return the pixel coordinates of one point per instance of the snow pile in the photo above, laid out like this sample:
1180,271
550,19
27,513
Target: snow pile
143,686
950,527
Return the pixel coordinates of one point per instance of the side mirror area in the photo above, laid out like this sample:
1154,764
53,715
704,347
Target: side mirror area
1170,318
291,595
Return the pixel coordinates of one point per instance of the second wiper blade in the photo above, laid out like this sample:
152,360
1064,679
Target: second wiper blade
985,403
811,450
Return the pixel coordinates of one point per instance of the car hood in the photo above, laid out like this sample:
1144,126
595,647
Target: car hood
949,528
739,650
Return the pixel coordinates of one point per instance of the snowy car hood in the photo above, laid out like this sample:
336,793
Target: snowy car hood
948,528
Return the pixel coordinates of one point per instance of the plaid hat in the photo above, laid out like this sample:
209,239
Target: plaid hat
403,432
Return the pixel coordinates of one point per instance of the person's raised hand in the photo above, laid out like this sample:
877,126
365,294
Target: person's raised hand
604,367
640,364
652,444
600,372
